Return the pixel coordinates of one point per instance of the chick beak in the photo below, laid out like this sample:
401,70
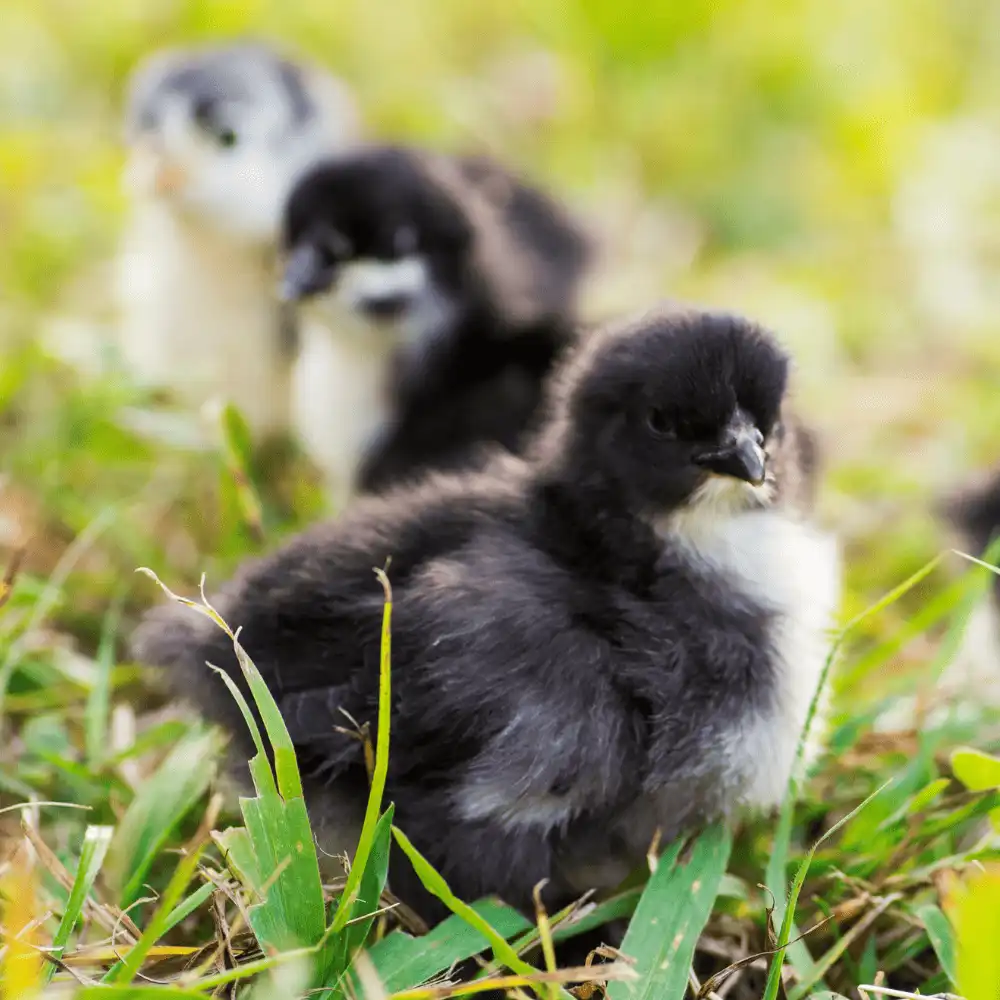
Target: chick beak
740,453
168,178
305,274
152,171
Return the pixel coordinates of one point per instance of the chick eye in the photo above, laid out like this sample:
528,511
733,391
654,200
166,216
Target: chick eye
226,137
659,422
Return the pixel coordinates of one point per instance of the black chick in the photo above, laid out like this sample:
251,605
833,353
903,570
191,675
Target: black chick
444,291
975,514
619,632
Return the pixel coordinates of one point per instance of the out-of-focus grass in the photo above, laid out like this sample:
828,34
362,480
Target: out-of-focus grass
831,169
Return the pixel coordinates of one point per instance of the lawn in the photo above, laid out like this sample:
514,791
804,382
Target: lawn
832,170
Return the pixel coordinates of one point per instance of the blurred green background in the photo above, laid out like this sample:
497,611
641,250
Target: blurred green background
832,169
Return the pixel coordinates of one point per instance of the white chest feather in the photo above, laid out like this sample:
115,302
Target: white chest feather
339,394
793,569
199,317
340,401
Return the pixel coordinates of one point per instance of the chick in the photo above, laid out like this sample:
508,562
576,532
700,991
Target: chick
216,136
619,632
975,514
443,292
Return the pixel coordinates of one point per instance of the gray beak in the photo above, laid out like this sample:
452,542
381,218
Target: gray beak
305,274
740,453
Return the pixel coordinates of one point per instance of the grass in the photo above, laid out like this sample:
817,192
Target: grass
781,166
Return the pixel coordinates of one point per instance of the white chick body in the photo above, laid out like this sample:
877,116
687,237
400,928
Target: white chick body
218,137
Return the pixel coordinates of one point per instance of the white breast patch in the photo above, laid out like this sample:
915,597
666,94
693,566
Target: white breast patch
792,568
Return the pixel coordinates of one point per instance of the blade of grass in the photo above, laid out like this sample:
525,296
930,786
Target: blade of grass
941,936
672,912
774,972
98,707
126,971
50,597
183,909
545,935
776,873
377,790
825,962
342,947
404,962
435,884
110,991
291,912
237,449
96,841
159,806
973,905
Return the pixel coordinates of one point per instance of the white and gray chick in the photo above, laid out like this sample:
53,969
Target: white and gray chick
619,632
216,137
442,292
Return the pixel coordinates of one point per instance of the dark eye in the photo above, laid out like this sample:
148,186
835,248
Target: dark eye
207,113
659,422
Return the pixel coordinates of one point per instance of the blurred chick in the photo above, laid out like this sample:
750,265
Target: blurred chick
975,514
216,137
620,632
443,291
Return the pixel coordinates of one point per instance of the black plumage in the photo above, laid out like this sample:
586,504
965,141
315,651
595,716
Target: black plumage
975,513
576,658
504,261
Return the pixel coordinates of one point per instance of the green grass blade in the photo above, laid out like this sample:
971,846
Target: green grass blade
51,594
98,708
237,451
277,856
941,936
264,778
285,980
128,969
188,906
96,841
180,912
774,972
374,806
292,913
160,804
776,873
371,886
286,768
237,850
404,962
673,911
110,991
974,909
435,884
342,946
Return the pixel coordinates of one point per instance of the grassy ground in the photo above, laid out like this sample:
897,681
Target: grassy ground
831,169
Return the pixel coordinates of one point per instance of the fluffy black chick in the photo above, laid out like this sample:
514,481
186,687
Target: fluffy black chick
445,289
975,514
621,631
